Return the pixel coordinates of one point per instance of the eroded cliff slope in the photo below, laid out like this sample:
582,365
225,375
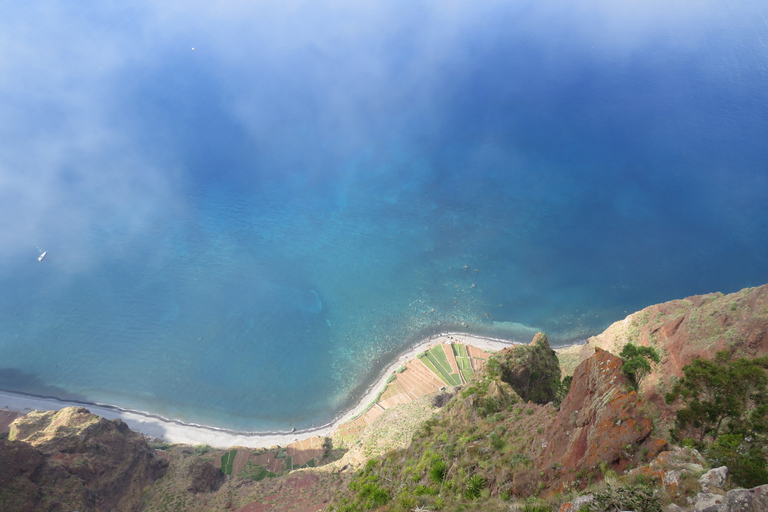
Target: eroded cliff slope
74,460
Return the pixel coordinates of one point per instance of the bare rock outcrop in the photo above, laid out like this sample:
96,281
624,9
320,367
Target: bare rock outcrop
746,500
684,330
532,370
19,463
598,418
76,460
670,468
600,422
202,476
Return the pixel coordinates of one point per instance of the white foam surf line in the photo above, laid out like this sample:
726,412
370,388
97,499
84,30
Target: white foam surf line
177,431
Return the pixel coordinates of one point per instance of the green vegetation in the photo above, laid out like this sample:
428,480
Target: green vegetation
744,457
227,460
463,361
437,357
632,497
368,494
256,472
726,414
437,354
720,395
532,370
475,484
429,364
437,471
202,449
536,507
637,362
563,389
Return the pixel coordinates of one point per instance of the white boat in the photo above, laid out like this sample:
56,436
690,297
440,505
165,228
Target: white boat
40,258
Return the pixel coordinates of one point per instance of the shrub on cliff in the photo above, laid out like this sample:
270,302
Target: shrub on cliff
631,497
744,457
369,494
474,487
563,389
726,413
637,362
437,471
721,395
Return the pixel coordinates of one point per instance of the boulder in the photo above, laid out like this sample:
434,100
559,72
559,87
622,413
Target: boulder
708,502
736,500
714,478
746,500
576,504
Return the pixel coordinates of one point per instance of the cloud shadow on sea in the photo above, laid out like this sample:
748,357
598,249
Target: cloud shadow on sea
17,381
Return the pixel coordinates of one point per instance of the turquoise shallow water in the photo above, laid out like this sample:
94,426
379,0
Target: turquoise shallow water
242,234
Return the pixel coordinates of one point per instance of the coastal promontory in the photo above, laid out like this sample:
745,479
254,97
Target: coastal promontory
458,428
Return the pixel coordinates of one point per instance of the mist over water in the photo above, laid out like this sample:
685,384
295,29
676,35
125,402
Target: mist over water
249,208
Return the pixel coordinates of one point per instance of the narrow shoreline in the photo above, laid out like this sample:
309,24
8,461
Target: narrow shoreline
176,431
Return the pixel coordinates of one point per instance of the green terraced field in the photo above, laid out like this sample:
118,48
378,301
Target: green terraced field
429,364
227,460
440,361
460,351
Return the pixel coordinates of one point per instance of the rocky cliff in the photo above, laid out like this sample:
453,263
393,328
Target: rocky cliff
74,460
532,370
499,439
599,419
494,442
683,330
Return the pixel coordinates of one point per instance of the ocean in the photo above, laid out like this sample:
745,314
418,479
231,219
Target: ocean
250,208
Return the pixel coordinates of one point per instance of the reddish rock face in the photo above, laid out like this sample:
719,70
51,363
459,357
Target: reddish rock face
683,330
600,421
598,418
700,326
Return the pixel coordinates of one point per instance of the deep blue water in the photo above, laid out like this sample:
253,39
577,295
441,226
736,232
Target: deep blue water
243,233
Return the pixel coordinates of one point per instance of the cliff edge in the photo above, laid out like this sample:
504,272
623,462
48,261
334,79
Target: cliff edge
74,460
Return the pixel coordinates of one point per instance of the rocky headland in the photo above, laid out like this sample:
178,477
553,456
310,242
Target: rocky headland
527,428
74,460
